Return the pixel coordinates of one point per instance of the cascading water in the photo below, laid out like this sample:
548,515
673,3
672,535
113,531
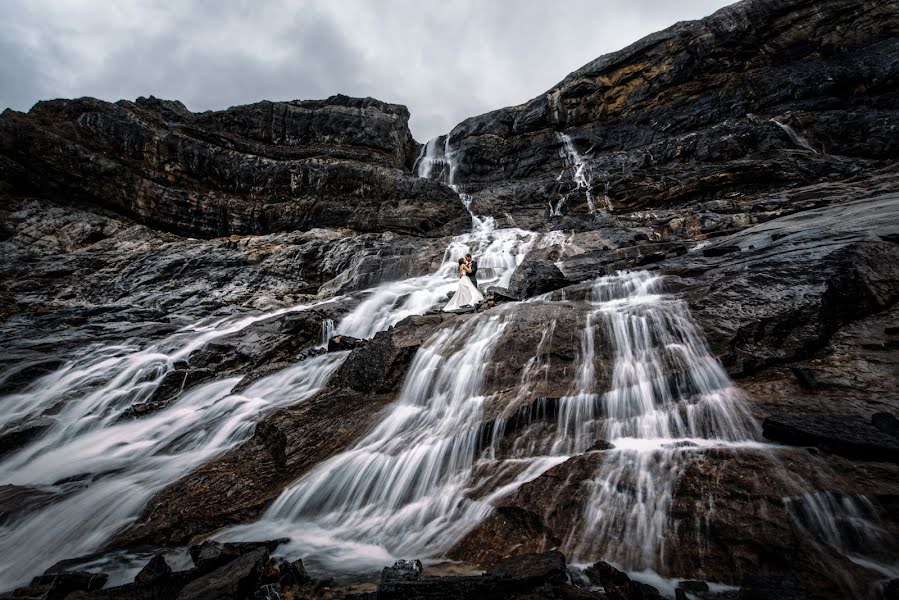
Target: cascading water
499,252
581,177
667,396
92,471
797,139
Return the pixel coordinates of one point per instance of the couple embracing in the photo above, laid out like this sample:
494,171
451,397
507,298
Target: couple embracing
467,293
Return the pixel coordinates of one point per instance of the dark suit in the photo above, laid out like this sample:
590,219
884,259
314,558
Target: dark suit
474,272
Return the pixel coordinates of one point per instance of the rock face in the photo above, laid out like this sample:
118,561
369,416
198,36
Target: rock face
262,168
748,159
741,102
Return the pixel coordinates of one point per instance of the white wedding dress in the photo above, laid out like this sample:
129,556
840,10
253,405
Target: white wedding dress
466,295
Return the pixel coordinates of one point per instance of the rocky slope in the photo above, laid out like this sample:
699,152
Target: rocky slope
758,97
749,158
263,168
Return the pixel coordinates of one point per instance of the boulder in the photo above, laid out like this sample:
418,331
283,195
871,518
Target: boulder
618,586
234,580
56,586
155,571
212,554
536,277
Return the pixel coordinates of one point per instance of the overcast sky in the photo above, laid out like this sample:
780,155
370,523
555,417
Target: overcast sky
446,60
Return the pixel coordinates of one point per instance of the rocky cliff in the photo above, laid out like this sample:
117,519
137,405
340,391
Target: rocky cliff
263,168
759,97
745,163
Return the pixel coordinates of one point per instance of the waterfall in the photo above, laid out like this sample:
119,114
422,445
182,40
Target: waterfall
327,333
96,471
581,176
401,489
797,139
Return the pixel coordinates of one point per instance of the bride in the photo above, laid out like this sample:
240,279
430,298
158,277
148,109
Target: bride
467,294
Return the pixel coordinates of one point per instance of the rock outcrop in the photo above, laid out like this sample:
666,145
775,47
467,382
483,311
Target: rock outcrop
256,169
759,96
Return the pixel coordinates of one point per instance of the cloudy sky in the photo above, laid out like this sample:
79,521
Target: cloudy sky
446,60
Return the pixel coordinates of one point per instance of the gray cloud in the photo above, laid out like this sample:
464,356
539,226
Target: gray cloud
445,60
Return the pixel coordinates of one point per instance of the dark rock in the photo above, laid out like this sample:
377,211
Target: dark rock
600,445
693,586
891,590
16,436
513,578
498,294
886,423
618,586
845,436
56,586
719,250
402,570
211,555
758,587
236,579
270,591
173,384
508,531
536,568
343,342
155,571
536,277
252,169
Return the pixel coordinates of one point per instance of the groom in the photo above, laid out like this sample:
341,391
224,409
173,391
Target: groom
474,269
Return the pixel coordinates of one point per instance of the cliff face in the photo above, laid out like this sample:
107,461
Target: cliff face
750,159
261,168
687,115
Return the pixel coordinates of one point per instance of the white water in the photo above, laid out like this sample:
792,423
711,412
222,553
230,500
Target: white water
401,489
498,252
797,139
102,470
581,177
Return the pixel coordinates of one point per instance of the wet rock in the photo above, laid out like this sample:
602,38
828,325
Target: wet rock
287,444
236,579
886,423
16,436
211,555
693,586
618,586
507,531
719,250
343,342
536,277
783,300
758,587
155,571
600,446
841,435
516,577
533,568
56,586
891,590
173,384
498,294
